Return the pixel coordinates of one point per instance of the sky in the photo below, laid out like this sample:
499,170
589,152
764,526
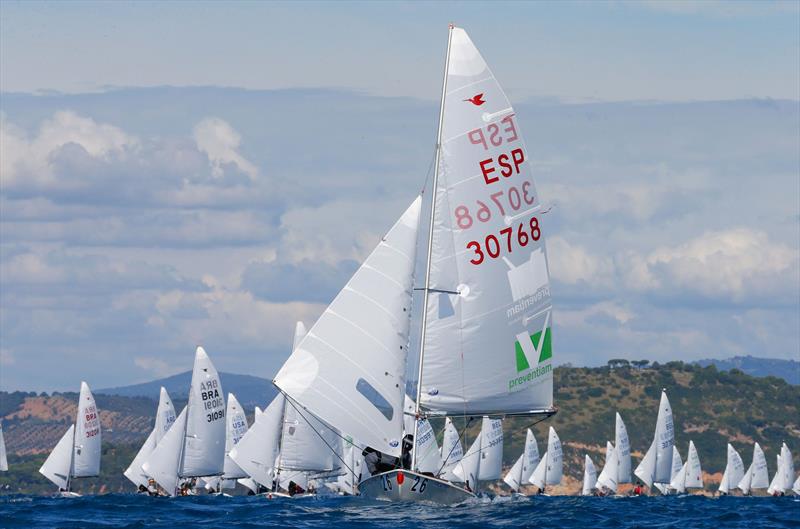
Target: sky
182,173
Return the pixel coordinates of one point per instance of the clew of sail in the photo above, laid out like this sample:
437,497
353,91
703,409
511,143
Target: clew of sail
487,323
349,370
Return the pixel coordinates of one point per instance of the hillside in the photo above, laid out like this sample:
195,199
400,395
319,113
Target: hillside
789,370
249,390
710,407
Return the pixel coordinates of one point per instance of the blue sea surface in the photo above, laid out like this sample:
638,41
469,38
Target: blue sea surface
210,512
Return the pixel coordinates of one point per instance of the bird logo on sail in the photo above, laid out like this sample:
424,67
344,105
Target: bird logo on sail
476,100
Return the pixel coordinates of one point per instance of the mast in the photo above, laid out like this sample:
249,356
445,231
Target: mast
434,187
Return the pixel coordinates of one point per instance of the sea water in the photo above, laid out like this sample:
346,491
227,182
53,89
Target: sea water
133,511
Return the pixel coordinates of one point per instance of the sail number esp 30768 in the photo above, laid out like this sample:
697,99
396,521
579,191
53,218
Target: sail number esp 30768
505,203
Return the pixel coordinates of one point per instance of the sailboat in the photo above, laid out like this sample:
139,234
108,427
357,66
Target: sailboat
165,416
796,486
486,286
484,459
77,453
257,451
734,470
776,485
589,477
607,479
677,464
690,476
756,476
656,466
347,484
235,428
3,458
522,469
788,467
550,469
194,446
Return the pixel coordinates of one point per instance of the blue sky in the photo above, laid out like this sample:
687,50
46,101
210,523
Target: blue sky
177,173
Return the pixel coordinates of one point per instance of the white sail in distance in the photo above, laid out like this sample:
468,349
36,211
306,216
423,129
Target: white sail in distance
550,468
257,450
589,476
622,446
522,469
486,340
3,457
86,459
677,464
349,370
165,416
690,474
58,464
734,470
204,445
756,476
608,476
656,466
163,463
788,467
776,485
235,429
451,451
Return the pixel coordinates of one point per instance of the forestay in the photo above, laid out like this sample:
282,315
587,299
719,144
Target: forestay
487,340
204,448
349,370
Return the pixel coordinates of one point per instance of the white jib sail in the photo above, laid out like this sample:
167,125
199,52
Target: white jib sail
734,470
776,485
656,467
521,472
693,471
623,448
677,464
235,429
428,457
3,457
491,450
349,370
165,416
57,466
86,461
589,476
467,469
550,468
608,476
257,450
307,444
164,461
487,346
451,451
204,447
788,467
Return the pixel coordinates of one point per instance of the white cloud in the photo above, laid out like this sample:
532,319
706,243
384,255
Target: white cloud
32,159
572,264
155,366
6,358
220,142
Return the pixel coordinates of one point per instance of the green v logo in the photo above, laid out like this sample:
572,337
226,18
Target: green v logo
534,346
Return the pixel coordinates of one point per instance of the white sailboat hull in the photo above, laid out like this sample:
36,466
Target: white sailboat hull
404,485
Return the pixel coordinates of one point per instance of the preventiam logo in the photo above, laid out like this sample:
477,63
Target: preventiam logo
531,350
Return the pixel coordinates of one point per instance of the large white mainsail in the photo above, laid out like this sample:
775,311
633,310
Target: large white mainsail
486,340
656,467
3,457
622,446
550,468
521,472
589,476
235,429
77,454
776,485
734,470
165,416
349,370
258,448
204,447
756,476
608,476
690,475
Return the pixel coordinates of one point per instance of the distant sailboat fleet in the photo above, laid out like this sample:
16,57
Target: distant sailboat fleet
342,422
